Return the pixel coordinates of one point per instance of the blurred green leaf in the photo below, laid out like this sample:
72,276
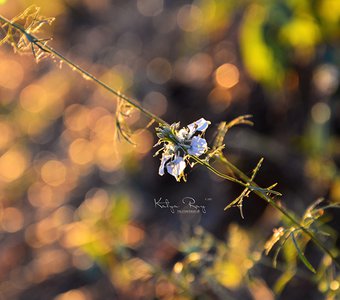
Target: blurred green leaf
283,280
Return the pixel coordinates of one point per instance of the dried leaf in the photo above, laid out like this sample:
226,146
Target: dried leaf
276,236
224,127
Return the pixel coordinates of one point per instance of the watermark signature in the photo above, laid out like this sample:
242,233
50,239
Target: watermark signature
188,205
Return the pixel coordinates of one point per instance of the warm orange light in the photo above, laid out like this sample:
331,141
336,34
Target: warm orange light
11,74
143,140
34,98
107,157
227,75
75,117
7,134
104,128
219,99
46,231
97,202
200,67
165,289
53,173
40,194
77,234
55,259
12,165
81,151
12,219
178,267
72,295
132,235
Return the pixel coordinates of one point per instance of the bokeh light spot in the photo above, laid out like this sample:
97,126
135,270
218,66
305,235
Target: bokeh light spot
219,99
81,261
106,157
326,79
132,235
75,117
34,98
7,134
178,267
12,219
159,70
11,74
81,151
144,141
150,8
334,285
320,113
189,17
200,67
156,103
53,173
104,128
77,234
12,165
227,75
46,231
40,194
96,201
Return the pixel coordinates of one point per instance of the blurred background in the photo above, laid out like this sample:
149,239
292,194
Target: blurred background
77,213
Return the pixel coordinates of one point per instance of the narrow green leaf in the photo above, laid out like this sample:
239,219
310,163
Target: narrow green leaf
301,255
278,249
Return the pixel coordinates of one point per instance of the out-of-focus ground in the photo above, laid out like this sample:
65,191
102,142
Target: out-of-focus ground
77,213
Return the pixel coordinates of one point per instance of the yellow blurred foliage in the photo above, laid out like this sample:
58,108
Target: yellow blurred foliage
232,263
257,56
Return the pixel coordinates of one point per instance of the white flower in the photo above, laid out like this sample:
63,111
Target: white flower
179,144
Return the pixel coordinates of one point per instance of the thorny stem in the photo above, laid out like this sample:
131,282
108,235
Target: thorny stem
246,184
268,199
218,173
262,193
43,46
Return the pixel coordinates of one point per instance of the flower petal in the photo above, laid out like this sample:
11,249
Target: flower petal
183,134
198,146
199,125
176,167
165,158
168,152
